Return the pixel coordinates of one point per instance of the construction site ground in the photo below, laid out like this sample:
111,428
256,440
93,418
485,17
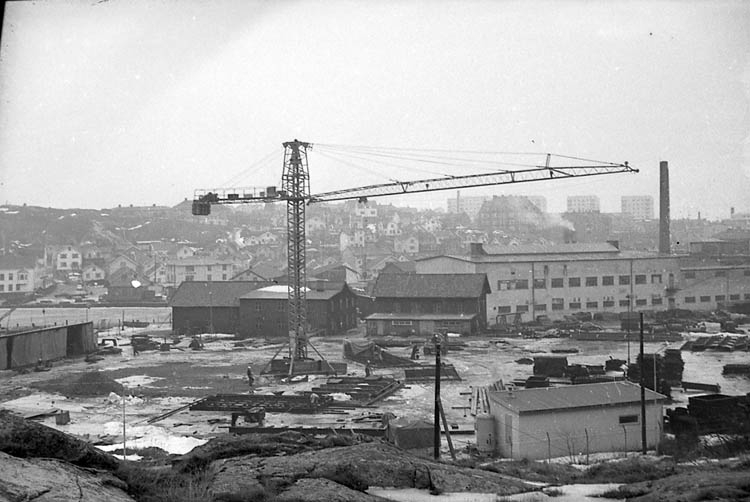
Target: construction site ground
158,382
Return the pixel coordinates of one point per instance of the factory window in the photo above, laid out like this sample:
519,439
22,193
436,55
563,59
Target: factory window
592,281
522,284
522,308
504,285
720,298
540,284
402,323
656,301
689,275
608,280
574,282
689,299
258,307
655,278
557,283
592,305
503,309
734,297
624,280
624,303
640,279
720,273
558,304
705,299
640,301
574,305
608,303
628,419
540,307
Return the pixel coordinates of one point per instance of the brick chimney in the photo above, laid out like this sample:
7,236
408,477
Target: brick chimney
664,236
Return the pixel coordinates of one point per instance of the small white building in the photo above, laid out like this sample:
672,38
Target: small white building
551,422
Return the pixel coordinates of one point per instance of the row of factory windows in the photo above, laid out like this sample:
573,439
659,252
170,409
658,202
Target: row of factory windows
690,274
576,304
575,282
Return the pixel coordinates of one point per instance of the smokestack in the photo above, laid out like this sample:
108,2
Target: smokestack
664,246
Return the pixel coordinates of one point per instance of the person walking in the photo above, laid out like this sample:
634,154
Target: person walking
250,379
368,369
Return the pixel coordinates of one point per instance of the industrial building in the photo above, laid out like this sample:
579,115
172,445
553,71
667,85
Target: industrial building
42,345
569,421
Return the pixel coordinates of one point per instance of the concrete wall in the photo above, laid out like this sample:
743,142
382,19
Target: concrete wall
526,436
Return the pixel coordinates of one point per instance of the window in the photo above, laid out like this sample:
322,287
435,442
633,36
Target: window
402,323
188,278
522,284
608,303
18,287
63,264
705,299
624,280
574,282
656,300
608,280
208,268
503,309
258,307
720,298
223,277
720,273
558,304
689,299
592,305
689,275
640,302
557,283
747,296
541,307
628,419
655,278
74,256
64,256
624,303
574,305
188,268
522,308
208,277
280,306
592,281
223,267
734,297
2,287
640,279
258,324
540,284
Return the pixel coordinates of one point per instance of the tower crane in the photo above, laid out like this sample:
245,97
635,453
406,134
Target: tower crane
295,190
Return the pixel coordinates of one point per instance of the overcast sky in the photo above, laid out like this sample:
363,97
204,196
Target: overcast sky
141,102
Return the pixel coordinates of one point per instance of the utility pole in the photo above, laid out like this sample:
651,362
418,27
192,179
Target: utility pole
437,398
643,393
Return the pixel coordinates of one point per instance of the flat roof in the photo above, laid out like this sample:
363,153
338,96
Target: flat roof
590,395
378,316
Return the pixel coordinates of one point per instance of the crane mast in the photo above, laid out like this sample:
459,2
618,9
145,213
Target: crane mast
295,190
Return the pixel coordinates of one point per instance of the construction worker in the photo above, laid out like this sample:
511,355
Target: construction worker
368,369
314,400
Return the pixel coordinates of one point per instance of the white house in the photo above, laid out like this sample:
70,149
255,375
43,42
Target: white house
18,274
93,272
571,420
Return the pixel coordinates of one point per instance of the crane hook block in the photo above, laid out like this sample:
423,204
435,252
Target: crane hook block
201,208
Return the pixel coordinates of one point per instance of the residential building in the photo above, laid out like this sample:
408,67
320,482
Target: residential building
93,273
423,304
201,269
68,259
569,421
583,204
330,311
639,207
18,274
121,261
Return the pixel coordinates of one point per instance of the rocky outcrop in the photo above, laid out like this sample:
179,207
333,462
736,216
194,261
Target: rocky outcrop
28,439
355,467
48,480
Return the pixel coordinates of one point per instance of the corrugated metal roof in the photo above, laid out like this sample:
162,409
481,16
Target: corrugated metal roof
222,293
572,396
431,286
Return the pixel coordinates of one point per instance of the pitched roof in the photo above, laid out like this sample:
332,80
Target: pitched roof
431,286
572,396
222,293
13,262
